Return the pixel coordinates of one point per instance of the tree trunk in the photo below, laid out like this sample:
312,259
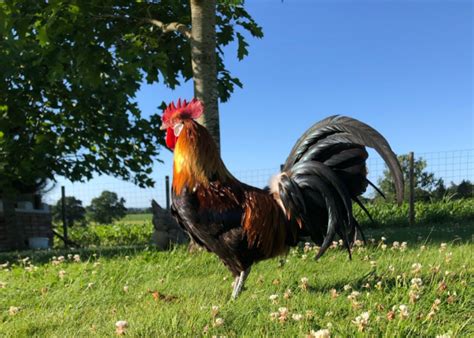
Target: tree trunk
203,55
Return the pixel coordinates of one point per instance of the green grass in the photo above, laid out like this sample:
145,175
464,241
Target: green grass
190,284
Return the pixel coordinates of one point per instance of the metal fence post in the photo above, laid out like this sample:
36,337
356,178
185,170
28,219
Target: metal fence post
167,187
411,196
63,212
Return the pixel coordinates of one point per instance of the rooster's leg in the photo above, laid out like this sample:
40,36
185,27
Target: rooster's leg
239,283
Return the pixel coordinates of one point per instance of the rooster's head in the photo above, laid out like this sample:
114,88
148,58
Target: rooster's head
174,117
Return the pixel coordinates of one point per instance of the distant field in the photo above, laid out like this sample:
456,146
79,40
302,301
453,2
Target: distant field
136,218
423,289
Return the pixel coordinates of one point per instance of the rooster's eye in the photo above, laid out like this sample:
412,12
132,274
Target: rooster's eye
177,129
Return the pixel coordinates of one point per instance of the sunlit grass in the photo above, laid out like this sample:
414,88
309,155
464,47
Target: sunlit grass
413,289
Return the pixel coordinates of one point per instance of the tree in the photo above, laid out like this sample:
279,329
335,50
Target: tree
75,212
425,182
465,189
70,71
106,208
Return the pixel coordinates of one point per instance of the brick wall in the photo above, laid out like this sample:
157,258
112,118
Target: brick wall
34,222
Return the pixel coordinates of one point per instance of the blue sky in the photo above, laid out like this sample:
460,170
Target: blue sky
404,67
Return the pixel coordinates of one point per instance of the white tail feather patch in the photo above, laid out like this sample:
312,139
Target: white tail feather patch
275,190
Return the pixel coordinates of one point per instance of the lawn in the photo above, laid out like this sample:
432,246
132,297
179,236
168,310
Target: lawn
423,288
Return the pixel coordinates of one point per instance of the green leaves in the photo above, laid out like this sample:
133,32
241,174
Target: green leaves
242,50
69,74
43,36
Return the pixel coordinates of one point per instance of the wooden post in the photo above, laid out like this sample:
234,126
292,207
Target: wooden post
167,187
63,212
411,197
281,167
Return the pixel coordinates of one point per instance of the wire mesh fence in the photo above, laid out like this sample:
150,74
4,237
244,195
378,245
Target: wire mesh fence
452,166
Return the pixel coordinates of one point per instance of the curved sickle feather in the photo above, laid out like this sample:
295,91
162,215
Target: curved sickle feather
353,131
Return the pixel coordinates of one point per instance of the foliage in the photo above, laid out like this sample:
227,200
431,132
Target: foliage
117,234
172,293
392,215
106,208
425,182
69,74
464,189
75,212
136,229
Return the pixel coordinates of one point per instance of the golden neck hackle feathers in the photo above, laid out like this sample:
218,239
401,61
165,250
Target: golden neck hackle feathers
196,159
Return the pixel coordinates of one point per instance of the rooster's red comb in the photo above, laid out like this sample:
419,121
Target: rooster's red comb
182,110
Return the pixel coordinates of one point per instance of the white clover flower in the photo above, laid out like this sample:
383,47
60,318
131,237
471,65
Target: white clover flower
373,264
218,322
61,274
3,285
378,285
443,246
396,245
13,310
353,295
383,239
416,268
296,316
120,327
273,298
347,287
214,311
403,309
403,246
362,321
77,258
283,314
323,333
416,283
383,247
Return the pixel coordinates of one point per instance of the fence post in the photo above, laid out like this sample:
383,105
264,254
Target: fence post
63,212
281,167
167,187
411,196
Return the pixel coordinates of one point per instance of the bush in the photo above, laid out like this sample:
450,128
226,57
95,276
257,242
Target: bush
117,234
388,214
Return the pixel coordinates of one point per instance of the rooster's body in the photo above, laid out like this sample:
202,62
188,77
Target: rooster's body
310,197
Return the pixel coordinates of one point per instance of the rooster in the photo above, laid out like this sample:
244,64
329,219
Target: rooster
311,196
